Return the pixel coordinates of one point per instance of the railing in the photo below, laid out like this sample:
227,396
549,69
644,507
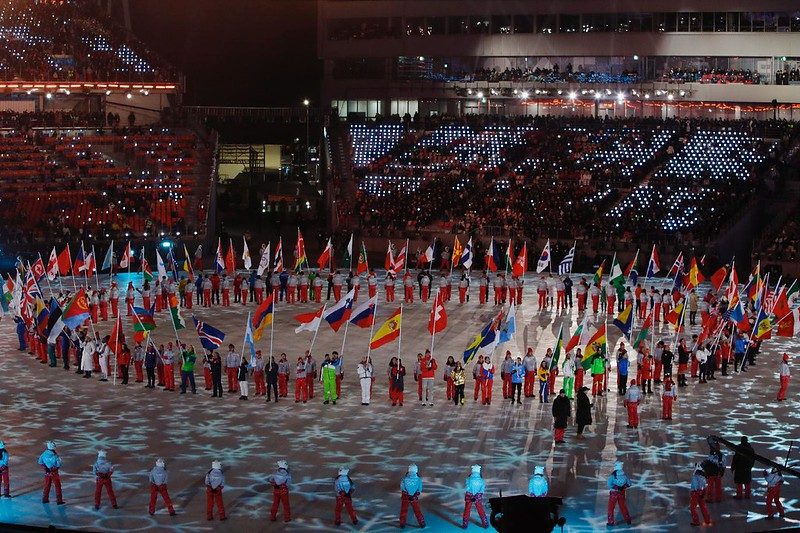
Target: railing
298,114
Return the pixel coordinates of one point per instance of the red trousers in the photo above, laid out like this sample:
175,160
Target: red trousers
617,497
52,478
337,292
558,434
300,390
310,386
744,489
695,366
542,299
551,380
486,392
338,385
469,499
115,306
659,368
169,377
610,305
595,303
408,294
372,290
774,496
582,302
578,379
462,294
519,295
291,294
697,500
657,312
426,292
318,294
155,490
226,298
189,300
714,488
146,302
214,497
356,290
104,311
395,395
390,293
633,414
104,481
507,386
303,294
283,385
597,384
666,407
158,303
4,481
280,495
207,298
233,383
528,385
261,386
642,310
478,387
343,500
783,388
138,367
451,388
483,295
259,295
208,381
560,301
129,305
512,296
405,501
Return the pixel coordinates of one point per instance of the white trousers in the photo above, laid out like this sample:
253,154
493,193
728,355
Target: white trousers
427,389
244,388
365,383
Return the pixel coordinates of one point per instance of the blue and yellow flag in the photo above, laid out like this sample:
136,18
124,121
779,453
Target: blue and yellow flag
624,321
487,336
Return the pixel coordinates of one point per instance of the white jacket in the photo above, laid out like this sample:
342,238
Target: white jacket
87,359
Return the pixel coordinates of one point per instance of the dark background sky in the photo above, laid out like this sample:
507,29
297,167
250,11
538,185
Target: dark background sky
235,52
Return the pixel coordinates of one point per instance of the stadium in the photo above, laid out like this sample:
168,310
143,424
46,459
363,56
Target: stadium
589,212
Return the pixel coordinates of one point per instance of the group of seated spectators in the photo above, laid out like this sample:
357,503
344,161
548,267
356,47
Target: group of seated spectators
552,75
710,75
71,40
785,244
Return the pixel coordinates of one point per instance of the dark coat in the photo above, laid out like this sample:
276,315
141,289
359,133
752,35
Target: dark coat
742,465
583,411
561,412
271,371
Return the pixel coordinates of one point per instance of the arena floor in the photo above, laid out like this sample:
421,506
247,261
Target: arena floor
136,425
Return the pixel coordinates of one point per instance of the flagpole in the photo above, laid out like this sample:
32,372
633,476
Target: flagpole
400,335
111,272
244,338
405,264
117,326
433,324
680,321
760,299
272,326
372,329
344,339
314,338
96,271
455,238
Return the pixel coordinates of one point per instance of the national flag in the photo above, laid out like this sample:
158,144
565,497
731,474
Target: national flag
458,251
616,278
64,261
763,325
558,348
645,331
175,313
248,261
736,312
90,265
364,315
521,264
624,321
77,310
438,319
117,337
347,257
309,321
230,259
674,314
210,337
249,343
325,257
489,258
108,260
598,276
400,259
32,290
388,263
263,317
677,266
80,264
654,264
694,277
219,261
596,346
781,306
162,270
264,261
362,266
577,334
299,252
7,294
632,270
487,336
466,255
509,259
187,262
718,277
40,314
126,259
55,324
544,258
52,265
789,325
510,325
143,322
754,283
38,269
427,255
389,330
565,266
340,312
277,264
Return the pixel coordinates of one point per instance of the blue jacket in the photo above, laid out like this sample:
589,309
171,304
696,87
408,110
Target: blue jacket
281,477
215,479
698,481
343,484
517,373
158,475
622,366
538,486
740,346
102,466
3,457
475,485
50,459
411,484
198,283
618,481
252,280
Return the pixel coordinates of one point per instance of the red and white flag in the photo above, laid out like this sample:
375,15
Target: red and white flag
438,319
309,321
388,264
125,260
400,259
325,257
52,265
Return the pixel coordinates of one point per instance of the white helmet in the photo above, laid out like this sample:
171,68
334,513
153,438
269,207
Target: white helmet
283,464
344,471
101,454
413,469
160,462
51,445
216,465
476,469
538,470
618,466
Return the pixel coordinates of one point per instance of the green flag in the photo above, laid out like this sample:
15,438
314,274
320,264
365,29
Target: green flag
558,348
347,258
617,278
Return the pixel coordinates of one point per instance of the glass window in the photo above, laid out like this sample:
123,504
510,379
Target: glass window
708,21
733,21
458,25
695,21
635,22
794,21
624,23
646,22
758,21
745,22
545,23
683,22
523,23
415,26
770,21
501,24
568,23
783,22
720,22
479,24
659,20
670,24
436,25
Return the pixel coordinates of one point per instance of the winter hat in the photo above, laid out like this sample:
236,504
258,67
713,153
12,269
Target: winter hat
618,466
216,465
51,445
633,382
785,356
476,469
538,471
413,469
2,444
283,464
101,454
344,471
160,462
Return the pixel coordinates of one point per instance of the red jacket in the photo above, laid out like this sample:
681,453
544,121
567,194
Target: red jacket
428,367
